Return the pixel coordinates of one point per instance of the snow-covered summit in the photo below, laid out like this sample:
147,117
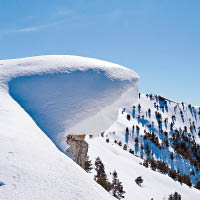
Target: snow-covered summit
69,94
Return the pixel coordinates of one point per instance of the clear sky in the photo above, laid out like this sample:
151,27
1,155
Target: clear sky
160,39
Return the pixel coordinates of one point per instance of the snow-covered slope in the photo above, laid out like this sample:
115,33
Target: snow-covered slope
128,166
55,95
32,167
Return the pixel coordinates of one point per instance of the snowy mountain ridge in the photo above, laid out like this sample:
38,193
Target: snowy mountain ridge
46,98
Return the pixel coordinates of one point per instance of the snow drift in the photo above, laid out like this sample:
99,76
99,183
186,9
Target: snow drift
70,94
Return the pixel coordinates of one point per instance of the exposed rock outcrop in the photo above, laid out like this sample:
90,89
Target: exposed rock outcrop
78,149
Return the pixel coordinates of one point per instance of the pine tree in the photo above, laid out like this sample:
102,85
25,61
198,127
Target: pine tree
117,187
125,147
88,165
101,177
172,156
139,180
197,185
175,196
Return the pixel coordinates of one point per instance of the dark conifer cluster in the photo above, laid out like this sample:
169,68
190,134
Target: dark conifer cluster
175,196
115,187
163,168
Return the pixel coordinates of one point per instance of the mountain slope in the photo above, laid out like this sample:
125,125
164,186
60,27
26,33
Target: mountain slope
123,148
128,167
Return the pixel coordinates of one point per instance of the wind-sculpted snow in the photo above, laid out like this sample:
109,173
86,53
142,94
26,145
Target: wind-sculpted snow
32,167
55,95
69,94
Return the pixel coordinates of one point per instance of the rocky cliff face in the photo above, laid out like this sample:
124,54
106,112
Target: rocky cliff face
78,149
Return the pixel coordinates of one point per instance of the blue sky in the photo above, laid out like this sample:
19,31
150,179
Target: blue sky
160,39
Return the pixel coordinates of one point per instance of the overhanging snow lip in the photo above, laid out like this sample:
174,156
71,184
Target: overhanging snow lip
62,63
51,65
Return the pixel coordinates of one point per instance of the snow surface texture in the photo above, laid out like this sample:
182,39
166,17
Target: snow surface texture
69,94
156,185
56,95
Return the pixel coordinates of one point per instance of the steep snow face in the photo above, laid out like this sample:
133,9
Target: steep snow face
69,94
32,167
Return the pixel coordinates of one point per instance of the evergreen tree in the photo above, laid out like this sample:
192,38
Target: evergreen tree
131,151
125,147
172,156
175,196
101,177
88,165
139,180
120,143
186,179
197,185
117,187
128,117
